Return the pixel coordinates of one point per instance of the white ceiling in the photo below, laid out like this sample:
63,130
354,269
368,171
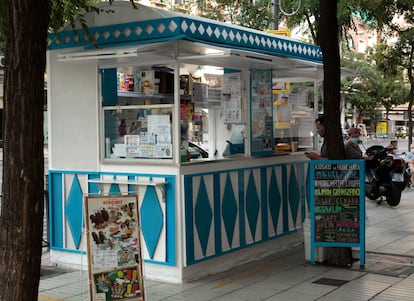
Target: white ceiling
197,54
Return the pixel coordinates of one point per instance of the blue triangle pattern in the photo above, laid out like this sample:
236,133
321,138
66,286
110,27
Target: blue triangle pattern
294,195
275,200
72,208
203,216
114,189
151,219
229,210
252,205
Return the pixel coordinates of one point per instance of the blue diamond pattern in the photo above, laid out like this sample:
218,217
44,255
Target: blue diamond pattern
252,205
203,216
72,208
275,200
294,195
229,210
186,27
151,219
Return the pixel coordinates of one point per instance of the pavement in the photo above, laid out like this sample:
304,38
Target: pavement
388,273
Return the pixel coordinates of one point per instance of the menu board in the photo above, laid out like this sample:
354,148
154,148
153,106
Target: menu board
337,203
114,248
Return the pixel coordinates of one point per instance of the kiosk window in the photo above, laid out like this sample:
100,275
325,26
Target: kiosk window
138,132
138,118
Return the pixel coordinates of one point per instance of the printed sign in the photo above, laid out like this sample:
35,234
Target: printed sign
114,248
337,204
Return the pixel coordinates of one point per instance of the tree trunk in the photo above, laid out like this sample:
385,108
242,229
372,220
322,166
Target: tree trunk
331,88
23,167
410,97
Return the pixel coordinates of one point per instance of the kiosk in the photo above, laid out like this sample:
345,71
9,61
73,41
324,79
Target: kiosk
200,119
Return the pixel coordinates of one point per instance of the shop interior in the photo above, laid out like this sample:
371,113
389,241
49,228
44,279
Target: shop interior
212,114
216,112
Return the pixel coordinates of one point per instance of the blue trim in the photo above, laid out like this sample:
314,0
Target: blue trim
285,199
261,194
151,219
171,220
263,205
73,206
242,209
93,188
189,218
217,213
361,224
187,28
55,210
203,216
57,218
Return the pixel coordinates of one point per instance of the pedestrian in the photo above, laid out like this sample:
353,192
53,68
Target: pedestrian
323,155
409,158
352,149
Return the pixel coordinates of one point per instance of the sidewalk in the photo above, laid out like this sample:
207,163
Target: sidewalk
388,273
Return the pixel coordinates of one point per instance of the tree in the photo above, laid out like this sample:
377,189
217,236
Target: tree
256,15
372,86
23,167
331,88
401,56
25,25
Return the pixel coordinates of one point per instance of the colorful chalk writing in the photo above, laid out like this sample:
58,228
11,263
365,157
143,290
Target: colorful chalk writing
336,211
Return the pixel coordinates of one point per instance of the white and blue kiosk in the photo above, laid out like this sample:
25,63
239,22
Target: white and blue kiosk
149,112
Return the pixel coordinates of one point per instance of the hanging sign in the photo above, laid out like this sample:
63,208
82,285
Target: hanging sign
114,248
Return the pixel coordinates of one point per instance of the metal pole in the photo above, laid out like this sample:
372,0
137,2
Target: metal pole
275,23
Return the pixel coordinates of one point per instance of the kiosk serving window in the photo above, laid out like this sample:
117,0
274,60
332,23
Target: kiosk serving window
138,114
138,131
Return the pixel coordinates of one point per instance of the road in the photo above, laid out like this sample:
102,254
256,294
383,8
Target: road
402,143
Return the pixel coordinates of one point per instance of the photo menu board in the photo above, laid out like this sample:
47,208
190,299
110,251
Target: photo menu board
114,248
337,207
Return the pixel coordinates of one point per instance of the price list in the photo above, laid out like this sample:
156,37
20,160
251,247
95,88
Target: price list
337,203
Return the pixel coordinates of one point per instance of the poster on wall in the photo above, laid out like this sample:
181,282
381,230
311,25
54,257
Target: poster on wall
261,112
232,97
114,248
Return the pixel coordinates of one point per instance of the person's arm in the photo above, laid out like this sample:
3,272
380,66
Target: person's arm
315,156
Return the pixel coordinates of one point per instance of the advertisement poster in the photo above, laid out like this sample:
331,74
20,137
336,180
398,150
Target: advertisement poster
114,248
232,98
261,112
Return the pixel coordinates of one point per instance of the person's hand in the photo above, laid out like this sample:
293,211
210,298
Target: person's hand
313,156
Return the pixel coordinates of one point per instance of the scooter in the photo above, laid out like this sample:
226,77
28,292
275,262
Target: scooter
385,176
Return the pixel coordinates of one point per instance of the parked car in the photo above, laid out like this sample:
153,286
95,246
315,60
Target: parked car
401,132
197,151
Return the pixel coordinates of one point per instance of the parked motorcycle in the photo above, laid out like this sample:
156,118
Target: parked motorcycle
385,176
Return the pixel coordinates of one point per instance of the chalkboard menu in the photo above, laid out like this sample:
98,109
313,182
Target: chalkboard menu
337,204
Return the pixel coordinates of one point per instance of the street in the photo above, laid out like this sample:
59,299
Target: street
402,143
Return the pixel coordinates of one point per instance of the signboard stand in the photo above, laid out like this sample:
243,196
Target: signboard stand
337,205
114,248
